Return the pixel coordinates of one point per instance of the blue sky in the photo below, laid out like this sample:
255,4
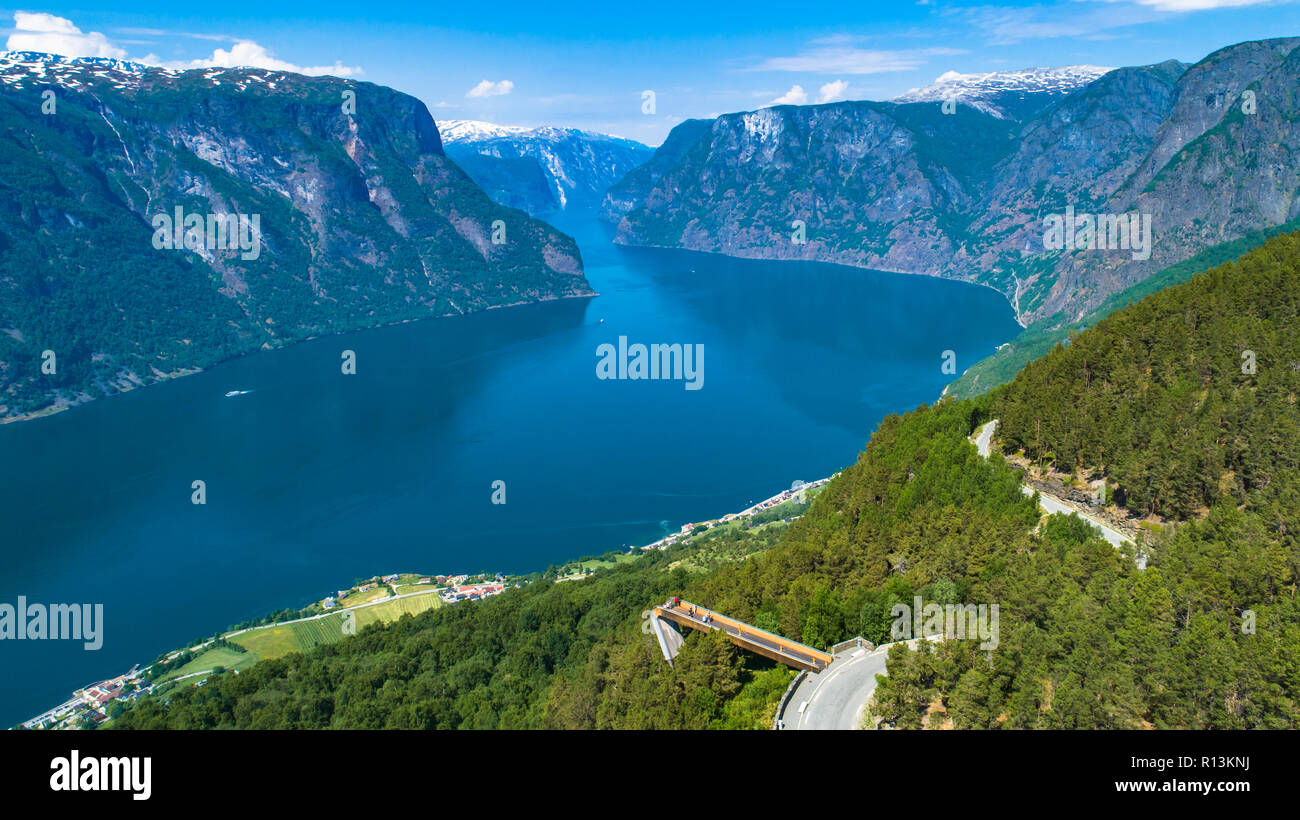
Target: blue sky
586,64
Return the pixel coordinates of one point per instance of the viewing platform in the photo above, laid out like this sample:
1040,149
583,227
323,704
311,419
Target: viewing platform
746,636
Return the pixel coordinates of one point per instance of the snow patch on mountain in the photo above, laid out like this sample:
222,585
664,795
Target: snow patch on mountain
479,131
474,130
577,165
982,90
18,69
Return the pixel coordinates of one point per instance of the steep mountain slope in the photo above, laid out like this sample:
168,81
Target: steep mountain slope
516,182
578,166
1194,390
1223,163
354,218
1205,151
626,193
876,184
1076,153
1043,335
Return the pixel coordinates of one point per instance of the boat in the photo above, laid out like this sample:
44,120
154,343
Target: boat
237,393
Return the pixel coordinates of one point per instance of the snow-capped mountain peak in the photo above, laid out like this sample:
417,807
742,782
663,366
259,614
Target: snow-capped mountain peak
572,164
19,69
981,90
473,130
453,131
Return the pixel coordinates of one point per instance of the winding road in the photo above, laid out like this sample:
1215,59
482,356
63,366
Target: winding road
983,441
836,697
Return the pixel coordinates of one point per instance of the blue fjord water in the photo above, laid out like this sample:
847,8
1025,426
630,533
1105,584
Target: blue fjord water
316,478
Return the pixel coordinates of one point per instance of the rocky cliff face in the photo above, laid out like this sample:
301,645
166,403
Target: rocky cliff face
626,193
1224,162
516,182
873,184
576,166
963,190
352,216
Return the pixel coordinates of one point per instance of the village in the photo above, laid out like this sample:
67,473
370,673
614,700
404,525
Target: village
381,598
799,492
450,588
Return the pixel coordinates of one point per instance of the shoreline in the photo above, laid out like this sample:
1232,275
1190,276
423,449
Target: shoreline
57,408
1014,305
768,503
79,697
93,699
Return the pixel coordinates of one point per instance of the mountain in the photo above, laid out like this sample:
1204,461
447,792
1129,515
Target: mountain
1205,151
1006,94
577,167
879,185
516,182
1193,389
632,189
476,130
1041,336
347,212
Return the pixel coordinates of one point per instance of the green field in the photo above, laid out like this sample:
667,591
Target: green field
390,611
402,589
276,640
603,563
218,656
381,591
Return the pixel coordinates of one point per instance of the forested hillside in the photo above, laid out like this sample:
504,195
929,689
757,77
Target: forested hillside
1208,635
1041,336
1182,400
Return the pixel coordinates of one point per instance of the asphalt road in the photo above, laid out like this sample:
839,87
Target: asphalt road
1049,503
835,697
984,437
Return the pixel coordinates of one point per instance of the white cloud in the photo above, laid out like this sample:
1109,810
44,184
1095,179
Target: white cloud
490,89
57,35
832,91
159,32
1193,5
1089,20
248,54
795,96
848,60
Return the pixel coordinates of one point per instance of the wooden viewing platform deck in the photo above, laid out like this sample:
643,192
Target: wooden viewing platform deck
746,636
